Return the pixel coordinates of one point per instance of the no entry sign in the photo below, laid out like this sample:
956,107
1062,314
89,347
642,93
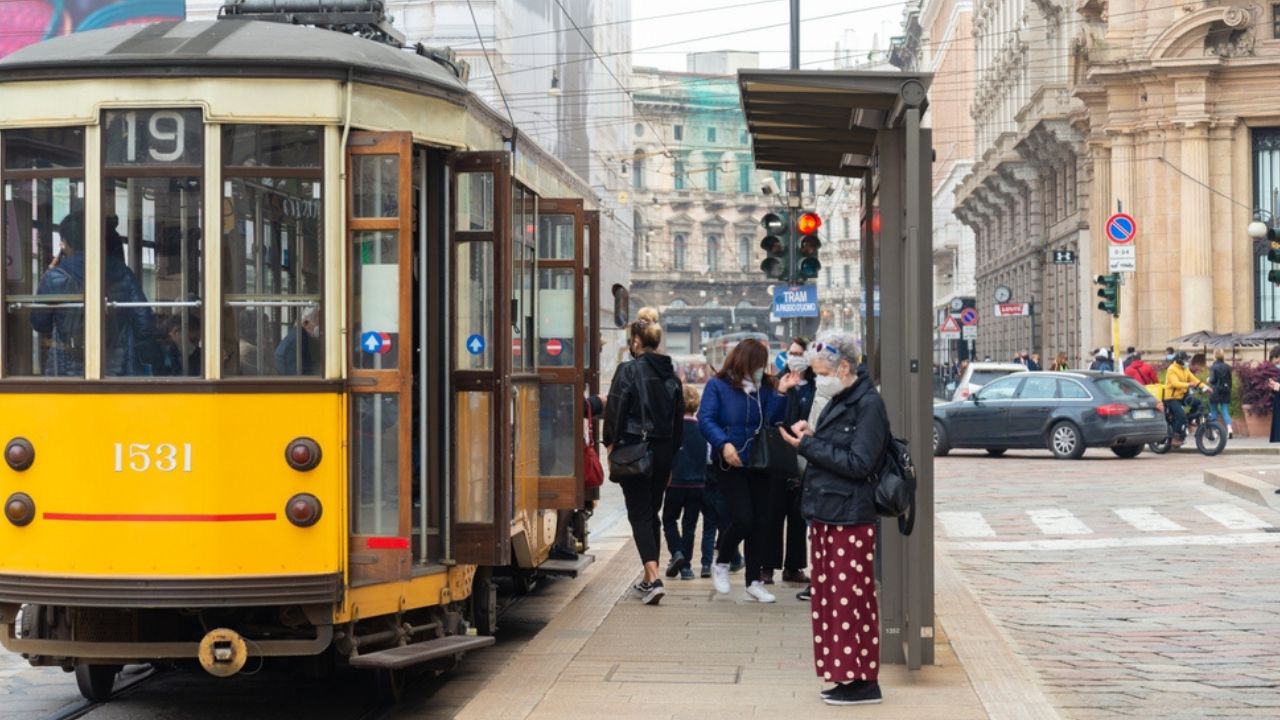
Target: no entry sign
1121,229
554,347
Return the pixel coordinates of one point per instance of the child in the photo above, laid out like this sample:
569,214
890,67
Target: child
684,492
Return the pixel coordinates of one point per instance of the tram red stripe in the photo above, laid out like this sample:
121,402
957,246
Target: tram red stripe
150,517
387,543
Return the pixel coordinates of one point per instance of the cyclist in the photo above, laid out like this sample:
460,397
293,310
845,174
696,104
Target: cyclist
1178,379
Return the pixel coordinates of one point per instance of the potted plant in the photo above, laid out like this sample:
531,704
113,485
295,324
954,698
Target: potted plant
1255,395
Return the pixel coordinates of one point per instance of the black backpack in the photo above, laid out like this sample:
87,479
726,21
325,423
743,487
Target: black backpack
896,484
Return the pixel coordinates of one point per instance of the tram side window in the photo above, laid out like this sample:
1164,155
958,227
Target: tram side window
523,219
272,262
43,237
474,302
153,243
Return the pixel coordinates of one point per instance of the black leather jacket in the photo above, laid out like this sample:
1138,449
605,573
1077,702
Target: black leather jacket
663,417
843,453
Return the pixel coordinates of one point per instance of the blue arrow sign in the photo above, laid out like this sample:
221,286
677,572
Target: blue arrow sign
371,342
475,344
780,362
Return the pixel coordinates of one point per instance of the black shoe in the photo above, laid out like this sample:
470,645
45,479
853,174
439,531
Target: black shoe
656,591
642,587
832,690
678,563
806,594
766,577
795,576
559,552
863,692
706,569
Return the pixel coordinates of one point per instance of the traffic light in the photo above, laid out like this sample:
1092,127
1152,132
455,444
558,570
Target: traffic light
1110,293
807,230
774,245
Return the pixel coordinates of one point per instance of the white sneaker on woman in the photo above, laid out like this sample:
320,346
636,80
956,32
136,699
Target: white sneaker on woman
757,592
720,578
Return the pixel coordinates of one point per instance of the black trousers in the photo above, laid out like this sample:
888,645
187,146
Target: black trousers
680,511
747,494
643,498
785,505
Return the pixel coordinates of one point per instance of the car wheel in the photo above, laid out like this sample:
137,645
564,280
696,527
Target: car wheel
996,452
1127,451
1065,441
941,446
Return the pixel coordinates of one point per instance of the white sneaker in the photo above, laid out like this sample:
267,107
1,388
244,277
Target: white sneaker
757,592
720,578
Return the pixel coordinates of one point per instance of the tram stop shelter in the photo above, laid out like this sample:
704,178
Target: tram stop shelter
866,125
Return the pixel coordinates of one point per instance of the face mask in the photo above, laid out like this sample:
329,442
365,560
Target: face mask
757,377
827,386
1168,357
797,363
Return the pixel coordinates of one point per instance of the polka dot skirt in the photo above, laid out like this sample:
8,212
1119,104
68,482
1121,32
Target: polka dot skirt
846,631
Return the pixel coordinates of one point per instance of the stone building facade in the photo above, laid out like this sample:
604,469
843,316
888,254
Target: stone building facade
1183,130
698,204
1026,196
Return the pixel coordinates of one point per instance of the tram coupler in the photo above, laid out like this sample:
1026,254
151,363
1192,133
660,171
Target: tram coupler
223,652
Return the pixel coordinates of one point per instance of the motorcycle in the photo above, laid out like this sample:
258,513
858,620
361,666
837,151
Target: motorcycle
1211,435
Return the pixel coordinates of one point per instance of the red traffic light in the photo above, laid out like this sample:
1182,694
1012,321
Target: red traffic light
808,223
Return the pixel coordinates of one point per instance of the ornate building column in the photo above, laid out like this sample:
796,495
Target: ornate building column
1196,231
1122,167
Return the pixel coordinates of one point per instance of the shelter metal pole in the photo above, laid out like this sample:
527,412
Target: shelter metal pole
795,34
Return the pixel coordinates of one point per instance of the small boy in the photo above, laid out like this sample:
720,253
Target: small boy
684,492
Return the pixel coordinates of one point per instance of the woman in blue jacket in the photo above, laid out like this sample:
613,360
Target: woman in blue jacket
736,403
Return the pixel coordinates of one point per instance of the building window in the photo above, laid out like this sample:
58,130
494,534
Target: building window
744,175
742,137
711,134
639,130
848,276
713,176
713,253
677,252
848,227
677,132
637,170
679,173
1275,21
744,252
1266,196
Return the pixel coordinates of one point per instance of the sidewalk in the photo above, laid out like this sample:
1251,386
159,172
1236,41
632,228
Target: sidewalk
706,657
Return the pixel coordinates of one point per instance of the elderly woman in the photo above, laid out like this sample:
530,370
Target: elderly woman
843,449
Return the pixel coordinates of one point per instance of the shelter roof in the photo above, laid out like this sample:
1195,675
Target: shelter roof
821,121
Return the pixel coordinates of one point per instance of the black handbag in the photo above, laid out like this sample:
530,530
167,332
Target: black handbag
633,460
769,452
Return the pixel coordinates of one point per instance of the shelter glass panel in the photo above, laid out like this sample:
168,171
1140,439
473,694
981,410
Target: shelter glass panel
473,423
556,429
376,300
1266,196
473,311
153,243
44,277
556,333
376,459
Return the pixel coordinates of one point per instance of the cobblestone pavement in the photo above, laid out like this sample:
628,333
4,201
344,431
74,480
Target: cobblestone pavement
1132,588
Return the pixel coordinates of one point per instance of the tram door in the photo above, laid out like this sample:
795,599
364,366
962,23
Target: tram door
484,406
380,262
562,342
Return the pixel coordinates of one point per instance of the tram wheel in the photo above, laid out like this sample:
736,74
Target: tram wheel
96,682
388,685
484,602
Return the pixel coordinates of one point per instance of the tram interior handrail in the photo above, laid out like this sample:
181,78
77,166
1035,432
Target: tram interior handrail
156,303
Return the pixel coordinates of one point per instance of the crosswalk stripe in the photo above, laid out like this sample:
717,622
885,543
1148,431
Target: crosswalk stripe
1147,520
1232,517
965,525
1056,521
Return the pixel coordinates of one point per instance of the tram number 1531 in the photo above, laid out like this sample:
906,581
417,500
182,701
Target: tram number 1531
164,457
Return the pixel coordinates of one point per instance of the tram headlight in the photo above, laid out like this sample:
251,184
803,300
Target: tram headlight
302,454
19,453
303,510
20,509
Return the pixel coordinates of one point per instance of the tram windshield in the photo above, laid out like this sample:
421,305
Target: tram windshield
151,250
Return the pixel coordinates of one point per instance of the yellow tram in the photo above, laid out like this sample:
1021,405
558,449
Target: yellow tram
295,338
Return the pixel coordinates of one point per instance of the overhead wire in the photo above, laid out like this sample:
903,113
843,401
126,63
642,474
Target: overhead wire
489,62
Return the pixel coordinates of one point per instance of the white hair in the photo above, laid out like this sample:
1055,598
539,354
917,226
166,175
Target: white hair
832,347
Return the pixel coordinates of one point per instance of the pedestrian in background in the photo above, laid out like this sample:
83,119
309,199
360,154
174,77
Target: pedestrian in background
1101,363
644,405
1130,354
1220,395
787,527
684,494
1060,363
1139,370
1034,364
843,451
736,405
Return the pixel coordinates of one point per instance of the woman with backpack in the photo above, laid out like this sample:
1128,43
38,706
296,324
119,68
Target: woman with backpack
1220,395
844,451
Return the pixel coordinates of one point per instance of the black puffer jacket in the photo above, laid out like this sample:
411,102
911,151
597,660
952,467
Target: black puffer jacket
1220,381
844,451
663,417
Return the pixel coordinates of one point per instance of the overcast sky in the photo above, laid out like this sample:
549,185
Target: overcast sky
851,23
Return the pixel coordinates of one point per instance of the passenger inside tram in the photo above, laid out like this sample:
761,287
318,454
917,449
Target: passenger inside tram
299,353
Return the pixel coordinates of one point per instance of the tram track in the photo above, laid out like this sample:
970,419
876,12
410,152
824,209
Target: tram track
131,682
